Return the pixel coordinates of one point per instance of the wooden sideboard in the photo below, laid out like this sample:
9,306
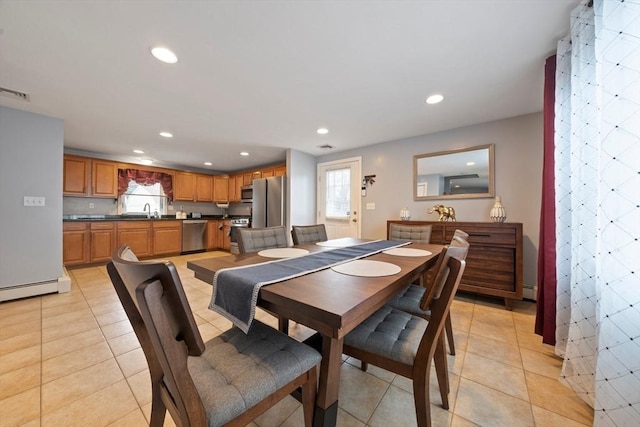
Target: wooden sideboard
494,262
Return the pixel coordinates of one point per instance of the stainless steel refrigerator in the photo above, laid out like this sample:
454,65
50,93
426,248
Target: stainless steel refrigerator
269,202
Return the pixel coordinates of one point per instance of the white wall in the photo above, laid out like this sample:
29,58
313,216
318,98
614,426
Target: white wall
301,173
518,176
31,149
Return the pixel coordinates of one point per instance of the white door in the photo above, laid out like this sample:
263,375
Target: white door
339,186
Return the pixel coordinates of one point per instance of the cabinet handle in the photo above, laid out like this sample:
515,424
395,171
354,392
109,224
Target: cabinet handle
479,235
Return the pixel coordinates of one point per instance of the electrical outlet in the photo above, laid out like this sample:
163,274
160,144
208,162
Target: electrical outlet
91,206
33,201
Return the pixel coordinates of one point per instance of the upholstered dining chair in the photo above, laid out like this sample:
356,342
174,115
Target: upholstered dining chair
308,233
409,300
406,344
257,239
407,232
230,379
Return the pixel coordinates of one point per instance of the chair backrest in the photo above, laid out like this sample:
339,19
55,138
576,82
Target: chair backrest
461,234
308,234
413,233
458,249
257,239
154,300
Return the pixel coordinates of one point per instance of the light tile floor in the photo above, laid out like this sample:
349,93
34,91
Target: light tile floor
73,360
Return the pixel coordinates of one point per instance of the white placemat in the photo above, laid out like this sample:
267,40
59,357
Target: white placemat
407,252
283,252
337,243
366,268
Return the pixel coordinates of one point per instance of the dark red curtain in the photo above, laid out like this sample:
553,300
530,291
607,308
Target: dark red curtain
145,178
546,303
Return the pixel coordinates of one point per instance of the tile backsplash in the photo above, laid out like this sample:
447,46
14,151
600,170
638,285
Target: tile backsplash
81,206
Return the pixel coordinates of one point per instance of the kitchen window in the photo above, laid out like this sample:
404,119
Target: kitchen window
134,200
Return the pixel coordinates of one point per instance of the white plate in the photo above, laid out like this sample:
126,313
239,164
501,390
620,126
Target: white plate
366,268
283,252
337,243
407,252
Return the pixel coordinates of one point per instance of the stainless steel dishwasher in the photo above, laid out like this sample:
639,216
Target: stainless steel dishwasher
194,235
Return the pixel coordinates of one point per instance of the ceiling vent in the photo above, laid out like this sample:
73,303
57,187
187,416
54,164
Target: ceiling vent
325,147
9,93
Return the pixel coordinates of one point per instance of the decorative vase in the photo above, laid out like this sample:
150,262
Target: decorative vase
497,213
405,215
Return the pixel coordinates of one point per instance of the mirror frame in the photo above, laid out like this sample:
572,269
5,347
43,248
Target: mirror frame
491,187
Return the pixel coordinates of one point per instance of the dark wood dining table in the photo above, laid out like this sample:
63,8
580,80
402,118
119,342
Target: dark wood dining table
328,302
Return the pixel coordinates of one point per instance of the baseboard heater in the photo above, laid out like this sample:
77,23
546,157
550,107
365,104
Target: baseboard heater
60,285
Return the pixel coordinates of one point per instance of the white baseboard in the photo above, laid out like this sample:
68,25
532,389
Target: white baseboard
62,284
530,293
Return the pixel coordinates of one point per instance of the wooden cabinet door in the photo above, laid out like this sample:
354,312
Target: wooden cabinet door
204,188
239,184
103,241
266,173
75,243
280,170
184,186
75,176
212,234
167,237
136,234
225,239
221,188
104,179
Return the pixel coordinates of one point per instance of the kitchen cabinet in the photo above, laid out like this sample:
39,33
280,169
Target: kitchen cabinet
224,241
214,229
192,187
494,261
267,173
221,188
84,177
167,237
136,234
184,186
104,179
76,176
280,170
75,243
204,188
235,184
103,241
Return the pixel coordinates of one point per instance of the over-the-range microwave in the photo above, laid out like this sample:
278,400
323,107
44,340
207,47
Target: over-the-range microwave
246,193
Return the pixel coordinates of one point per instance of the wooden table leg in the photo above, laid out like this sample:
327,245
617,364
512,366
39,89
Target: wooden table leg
326,412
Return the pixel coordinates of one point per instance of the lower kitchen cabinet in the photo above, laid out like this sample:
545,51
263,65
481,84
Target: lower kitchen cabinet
214,227
167,237
225,237
75,243
103,241
137,235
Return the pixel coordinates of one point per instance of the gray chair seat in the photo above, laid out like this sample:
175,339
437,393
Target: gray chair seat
236,371
390,333
409,300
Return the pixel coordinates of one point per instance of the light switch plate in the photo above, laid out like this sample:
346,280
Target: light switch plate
371,206
33,201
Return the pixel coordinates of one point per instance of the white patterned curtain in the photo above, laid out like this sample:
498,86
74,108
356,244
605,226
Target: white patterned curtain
597,170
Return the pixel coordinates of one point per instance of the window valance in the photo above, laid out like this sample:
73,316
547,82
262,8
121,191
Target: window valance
143,177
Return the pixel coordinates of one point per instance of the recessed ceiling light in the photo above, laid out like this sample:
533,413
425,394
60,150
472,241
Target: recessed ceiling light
146,161
166,134
244,153
163,54
138,151
323,131
208,163
471,163
434,99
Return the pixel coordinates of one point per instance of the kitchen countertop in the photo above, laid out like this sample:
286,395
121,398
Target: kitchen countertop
83,217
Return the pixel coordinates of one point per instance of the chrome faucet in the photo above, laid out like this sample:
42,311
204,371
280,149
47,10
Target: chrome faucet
147,205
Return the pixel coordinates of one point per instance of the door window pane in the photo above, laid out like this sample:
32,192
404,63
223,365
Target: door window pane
338,194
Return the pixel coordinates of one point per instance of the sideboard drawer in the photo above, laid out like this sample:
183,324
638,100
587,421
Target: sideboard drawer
485,235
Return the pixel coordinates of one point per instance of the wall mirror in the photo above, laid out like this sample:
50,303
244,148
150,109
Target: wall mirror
456,174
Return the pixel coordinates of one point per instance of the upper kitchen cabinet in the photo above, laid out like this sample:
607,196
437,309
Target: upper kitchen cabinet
86,177
104,179
184,186
280,170
76,176
204,188
221,188
193,187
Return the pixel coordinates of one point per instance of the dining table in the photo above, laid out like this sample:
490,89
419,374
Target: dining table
329,301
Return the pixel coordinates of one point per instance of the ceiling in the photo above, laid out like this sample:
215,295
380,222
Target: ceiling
263,76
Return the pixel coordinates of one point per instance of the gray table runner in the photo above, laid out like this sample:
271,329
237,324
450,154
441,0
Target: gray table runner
235,289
